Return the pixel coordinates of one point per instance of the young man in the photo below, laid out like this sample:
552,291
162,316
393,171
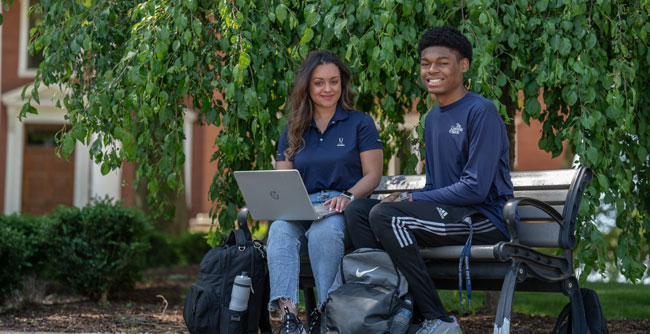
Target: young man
467,179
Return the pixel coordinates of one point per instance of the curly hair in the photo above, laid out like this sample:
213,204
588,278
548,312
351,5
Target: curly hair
300,103
448,37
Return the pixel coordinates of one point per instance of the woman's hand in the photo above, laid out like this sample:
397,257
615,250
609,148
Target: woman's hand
338,203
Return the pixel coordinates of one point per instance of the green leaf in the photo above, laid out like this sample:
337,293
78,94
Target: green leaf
68,145
281,13
642,153
188,59
197,26
211,116
572,98
105,168
312,19
591,41
244,60
172,180
307,36
339,26
592,155
565,46
603,182
482,18
532,106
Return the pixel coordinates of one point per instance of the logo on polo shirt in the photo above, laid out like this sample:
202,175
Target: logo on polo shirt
340,142
456,129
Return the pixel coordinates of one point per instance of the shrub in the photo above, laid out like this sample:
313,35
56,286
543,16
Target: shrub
161,253
100,248
23,250
191,247
12,258
166,251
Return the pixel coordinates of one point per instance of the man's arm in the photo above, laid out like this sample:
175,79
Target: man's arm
486,144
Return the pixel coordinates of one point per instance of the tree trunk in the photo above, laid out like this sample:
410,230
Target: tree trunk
174,226
491,298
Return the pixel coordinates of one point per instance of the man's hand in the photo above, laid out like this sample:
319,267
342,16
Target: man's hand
397,197
394,197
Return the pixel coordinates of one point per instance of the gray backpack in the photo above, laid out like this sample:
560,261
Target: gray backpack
365,295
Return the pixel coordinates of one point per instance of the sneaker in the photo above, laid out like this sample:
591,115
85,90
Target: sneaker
438,326
291,324
314,326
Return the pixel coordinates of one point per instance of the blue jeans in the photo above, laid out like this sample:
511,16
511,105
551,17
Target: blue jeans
288,240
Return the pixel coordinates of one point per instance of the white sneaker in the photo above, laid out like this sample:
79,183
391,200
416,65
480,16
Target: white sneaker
440,327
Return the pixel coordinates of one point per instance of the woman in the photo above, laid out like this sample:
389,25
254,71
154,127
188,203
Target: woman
339,156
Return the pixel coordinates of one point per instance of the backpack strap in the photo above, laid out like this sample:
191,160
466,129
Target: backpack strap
564,314
240,239
242,222
464,259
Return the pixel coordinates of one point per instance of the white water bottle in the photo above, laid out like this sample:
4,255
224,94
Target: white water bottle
241,289
402,318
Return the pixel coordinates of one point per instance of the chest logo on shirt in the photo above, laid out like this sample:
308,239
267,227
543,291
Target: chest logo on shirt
340,142
456,129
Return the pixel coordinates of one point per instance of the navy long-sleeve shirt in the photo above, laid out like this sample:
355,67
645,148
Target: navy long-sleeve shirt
467,159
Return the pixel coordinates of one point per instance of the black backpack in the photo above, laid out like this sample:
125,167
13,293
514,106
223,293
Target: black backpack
593,314
206,307
365,295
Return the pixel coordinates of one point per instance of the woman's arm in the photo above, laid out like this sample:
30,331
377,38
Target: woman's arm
283,164
371,165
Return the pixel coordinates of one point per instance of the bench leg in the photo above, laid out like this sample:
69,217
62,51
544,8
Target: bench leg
578,318
502,320
310,302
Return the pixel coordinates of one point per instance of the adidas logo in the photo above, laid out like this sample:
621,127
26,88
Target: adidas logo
442,213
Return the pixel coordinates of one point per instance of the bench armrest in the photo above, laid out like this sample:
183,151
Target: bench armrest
510,214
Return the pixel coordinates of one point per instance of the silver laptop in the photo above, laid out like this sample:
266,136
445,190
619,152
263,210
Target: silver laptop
278,194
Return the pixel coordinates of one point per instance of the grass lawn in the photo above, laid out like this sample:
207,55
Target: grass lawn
618,300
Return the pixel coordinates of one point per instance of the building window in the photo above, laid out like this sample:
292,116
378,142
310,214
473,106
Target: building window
28,63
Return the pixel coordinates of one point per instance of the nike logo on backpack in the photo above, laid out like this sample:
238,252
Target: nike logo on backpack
361,273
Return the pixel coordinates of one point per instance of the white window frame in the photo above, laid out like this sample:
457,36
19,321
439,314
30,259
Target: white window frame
23,40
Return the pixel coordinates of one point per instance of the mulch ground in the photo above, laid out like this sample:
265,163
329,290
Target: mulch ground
156,306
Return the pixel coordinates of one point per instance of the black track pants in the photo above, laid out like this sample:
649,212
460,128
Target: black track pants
399,227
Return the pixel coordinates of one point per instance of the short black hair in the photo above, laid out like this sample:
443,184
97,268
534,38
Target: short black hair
448,37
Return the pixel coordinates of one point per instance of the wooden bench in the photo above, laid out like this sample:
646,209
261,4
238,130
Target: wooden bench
547,203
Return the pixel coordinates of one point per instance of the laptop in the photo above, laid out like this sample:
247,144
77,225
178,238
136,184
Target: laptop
278,194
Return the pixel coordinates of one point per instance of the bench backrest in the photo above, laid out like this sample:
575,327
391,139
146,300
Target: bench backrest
537,229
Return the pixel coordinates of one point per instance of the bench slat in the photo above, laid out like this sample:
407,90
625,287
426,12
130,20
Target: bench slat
480,252
548,179
560,178
539,234
390,184
552,197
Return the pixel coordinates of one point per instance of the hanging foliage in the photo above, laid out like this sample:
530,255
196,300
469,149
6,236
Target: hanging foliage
132,68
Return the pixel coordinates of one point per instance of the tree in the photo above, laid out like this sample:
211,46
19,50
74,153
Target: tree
132,67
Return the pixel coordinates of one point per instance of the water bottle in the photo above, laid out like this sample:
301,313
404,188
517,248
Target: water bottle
402,318
241,289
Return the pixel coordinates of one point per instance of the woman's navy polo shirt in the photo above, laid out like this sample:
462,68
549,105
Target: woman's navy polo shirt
331,160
